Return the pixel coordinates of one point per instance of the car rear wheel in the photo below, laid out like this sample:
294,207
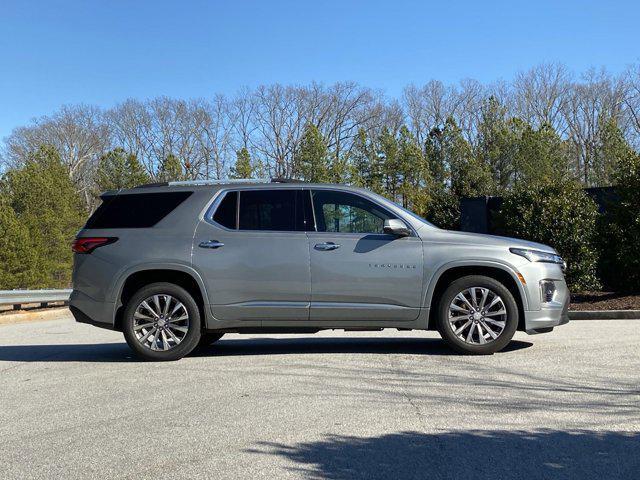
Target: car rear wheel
477,315
162,322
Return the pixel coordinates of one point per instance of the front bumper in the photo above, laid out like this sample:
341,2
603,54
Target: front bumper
541,317
543,320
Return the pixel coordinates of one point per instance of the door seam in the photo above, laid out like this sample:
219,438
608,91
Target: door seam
310,277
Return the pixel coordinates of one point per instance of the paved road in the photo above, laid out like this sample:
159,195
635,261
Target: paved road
388,405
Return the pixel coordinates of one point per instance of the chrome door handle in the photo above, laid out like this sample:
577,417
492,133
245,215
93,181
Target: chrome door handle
211,244
326,246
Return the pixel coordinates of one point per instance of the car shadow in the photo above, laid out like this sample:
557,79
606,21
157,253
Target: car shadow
319,345
477,454
371,242
120,352
94,352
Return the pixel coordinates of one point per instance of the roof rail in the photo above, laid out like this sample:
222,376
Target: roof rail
149,185
188,183
191,183
286,180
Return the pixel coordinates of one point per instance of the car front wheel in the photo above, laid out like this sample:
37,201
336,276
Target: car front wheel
162,322
477,315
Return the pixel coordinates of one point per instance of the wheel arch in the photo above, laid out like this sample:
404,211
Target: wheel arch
454,270
135,278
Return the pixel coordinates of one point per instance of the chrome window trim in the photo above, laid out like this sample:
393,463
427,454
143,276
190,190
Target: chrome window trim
213,205
209,209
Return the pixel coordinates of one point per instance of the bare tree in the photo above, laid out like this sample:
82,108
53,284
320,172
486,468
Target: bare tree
428,107
343,109
632,105
79,133
215,127
467,107
279,122
541,96
590,104
242,111
268,121
131,125
161,127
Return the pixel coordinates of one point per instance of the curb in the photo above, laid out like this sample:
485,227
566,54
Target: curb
52,313
604,315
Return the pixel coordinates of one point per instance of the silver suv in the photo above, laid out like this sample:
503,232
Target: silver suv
179,264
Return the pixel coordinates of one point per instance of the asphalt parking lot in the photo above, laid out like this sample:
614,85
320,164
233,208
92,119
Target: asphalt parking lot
75,403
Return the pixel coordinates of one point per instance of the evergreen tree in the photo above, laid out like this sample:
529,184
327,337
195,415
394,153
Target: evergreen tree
412,172
360,161
388,152
611,149
470,177
339,170
497,143
117,169
436,157
171,169
19,262
136,174
541,156
312,156
450,161
45,204
365,164
243,167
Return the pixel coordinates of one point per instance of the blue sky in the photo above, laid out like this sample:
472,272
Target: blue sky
102,52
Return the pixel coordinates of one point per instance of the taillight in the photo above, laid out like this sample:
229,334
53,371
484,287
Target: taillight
89,244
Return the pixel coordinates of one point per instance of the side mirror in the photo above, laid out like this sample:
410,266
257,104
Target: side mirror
396,227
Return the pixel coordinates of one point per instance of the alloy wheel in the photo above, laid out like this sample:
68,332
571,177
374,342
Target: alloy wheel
160,322
477,315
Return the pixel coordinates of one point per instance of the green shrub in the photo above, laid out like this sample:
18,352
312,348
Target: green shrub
560,215
443,209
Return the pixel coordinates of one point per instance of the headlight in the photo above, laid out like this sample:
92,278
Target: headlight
538,256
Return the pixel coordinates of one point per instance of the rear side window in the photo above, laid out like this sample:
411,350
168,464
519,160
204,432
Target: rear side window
139,210
269,210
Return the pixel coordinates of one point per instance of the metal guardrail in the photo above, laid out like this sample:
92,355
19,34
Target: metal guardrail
43,297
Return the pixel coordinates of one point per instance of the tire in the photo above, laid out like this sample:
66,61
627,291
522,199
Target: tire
207,339
486,323
179,335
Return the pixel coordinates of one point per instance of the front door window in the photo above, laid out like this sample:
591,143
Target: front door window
343,212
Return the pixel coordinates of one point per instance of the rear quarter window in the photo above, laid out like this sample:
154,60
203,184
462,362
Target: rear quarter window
138,210
226,212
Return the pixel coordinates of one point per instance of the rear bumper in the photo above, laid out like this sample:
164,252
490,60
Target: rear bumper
93,312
